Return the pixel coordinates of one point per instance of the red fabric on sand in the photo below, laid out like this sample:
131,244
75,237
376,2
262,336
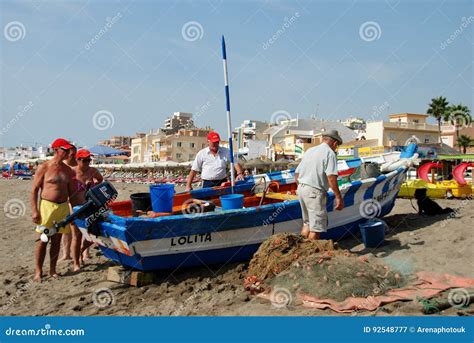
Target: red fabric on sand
427,286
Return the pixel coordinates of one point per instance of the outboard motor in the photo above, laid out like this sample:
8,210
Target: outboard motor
98,199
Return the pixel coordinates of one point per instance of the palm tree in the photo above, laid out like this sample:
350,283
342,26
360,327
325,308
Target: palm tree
459,116
437,109
464,142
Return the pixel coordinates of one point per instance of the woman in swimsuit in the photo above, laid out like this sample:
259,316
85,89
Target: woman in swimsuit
86,177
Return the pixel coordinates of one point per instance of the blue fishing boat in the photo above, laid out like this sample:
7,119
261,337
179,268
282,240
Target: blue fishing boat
199,231
190,236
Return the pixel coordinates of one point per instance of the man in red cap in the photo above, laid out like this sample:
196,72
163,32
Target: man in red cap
53,185
71,162
212,162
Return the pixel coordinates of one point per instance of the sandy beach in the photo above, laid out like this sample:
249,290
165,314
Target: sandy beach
415,243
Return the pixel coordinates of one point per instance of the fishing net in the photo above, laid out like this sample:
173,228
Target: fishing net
317,268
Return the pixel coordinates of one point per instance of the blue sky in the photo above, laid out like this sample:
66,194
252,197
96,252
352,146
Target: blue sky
145,65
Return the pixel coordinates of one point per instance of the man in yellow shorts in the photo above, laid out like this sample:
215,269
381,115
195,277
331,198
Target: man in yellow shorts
52,186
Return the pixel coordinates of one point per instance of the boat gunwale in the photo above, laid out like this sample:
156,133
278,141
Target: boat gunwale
126,222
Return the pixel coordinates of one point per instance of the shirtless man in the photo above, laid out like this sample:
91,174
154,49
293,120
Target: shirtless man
66,238
53,182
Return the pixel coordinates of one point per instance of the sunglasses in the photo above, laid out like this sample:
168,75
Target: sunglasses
64,149
85,159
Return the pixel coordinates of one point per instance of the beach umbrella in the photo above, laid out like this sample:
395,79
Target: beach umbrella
229,124
294,164
256,163
282,162
103,150
186,164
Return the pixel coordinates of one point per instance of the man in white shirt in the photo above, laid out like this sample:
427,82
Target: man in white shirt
212,162
314,175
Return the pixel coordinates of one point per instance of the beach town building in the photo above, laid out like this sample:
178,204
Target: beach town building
250,140
181,146
23,153
118,142
291,138
358,125
402,129
179,120
141,148
178,140
449,134
354,123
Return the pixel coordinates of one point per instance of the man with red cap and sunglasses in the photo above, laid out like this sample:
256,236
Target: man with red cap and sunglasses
212,162
52,186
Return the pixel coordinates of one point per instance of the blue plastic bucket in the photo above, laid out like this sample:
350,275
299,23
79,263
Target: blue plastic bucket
232,201
373,233
162,197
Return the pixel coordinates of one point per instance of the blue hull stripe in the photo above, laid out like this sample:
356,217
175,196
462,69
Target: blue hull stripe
350,193
369,193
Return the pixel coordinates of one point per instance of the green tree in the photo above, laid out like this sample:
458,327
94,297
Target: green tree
459,116
464,142
437,109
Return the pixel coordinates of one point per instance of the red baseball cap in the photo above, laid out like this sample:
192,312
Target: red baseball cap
83,153
213,137
61,143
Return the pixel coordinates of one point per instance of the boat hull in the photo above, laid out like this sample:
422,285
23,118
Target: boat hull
229,236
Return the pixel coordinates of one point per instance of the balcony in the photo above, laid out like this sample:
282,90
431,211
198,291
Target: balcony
410,126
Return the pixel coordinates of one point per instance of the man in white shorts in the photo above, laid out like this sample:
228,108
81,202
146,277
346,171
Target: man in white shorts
314,175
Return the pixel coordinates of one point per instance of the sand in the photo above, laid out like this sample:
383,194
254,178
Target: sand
415,243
